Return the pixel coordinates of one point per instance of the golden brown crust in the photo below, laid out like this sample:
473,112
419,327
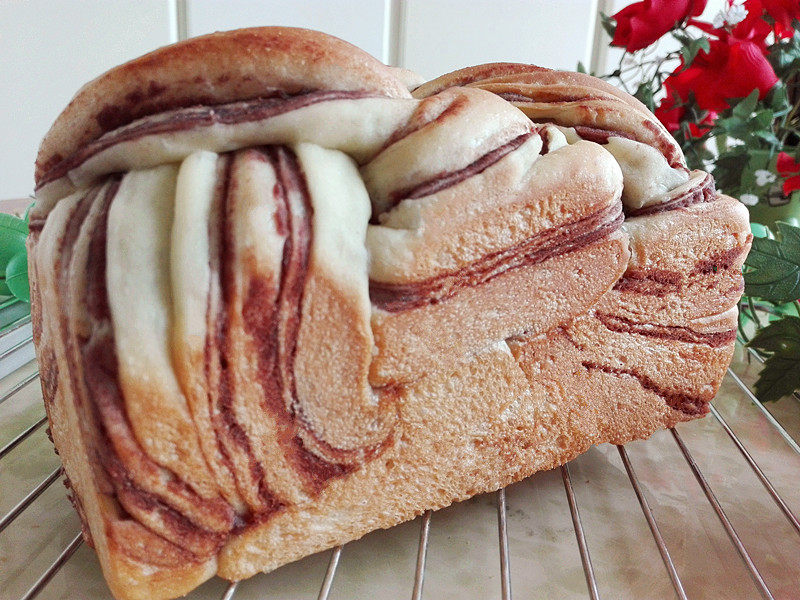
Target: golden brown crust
518,72
686,263
213,69
337,400
136,563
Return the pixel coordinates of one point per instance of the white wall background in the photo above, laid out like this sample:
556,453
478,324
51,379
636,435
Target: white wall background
49,48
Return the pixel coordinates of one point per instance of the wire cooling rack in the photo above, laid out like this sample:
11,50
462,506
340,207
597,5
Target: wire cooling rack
706,510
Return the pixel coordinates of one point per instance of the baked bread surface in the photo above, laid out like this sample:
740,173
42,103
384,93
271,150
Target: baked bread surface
280,301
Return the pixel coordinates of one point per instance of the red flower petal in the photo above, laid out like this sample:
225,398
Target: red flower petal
791,184
642,23
672,113
782,12
698,129
753,28
730,69
669,114
787,165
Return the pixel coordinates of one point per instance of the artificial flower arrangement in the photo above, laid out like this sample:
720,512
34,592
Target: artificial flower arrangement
730,94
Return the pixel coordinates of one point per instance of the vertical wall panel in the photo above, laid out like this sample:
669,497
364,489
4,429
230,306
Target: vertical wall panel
439,36
360,22
49,48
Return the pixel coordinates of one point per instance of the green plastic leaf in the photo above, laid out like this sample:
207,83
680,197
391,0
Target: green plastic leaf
728,169
758,230
779,100
4,291
691,47
12,223
681,36
721,142
774,266
785,55
644,93
609,24
763,119
745,107
779,377
779,337
734,126
17,277
768,137
757,160
27,216
13,232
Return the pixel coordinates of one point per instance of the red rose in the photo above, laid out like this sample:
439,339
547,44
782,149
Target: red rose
735,65
642,23
783,12
786,167
753,28
732,68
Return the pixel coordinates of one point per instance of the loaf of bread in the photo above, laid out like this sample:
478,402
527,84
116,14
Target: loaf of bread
280,301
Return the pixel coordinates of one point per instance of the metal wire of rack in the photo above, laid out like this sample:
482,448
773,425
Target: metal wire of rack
22,380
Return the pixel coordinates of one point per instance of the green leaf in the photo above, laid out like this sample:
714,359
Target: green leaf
728,169
784,55
12,223
27,216
680,35
756,160
644,93
745,107
581,68
609,24
779,337
768,137
763,119
17,277
779,377
691,47
758,230
13,232
721,142
774,266
733,126
779,100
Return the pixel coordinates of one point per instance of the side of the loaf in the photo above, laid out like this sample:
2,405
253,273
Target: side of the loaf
137,561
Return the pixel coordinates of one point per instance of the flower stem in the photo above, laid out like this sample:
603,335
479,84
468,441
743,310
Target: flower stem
753,312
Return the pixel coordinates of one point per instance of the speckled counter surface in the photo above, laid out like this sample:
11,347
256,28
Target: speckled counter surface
463,554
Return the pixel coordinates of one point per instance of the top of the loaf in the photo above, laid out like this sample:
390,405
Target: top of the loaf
213,69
